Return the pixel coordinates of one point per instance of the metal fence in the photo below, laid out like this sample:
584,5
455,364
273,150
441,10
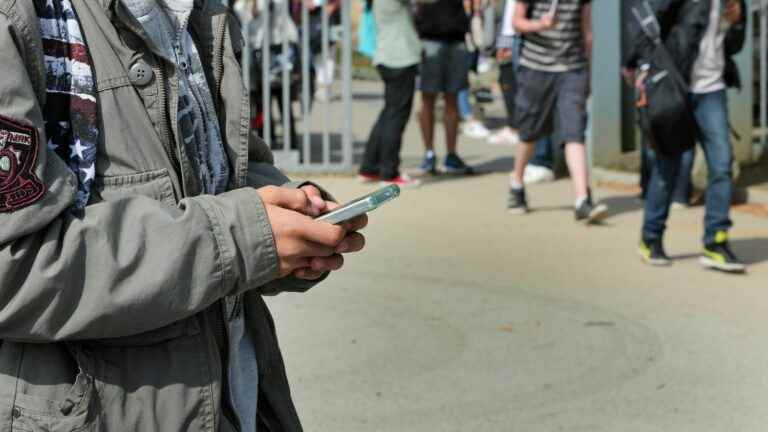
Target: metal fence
317,145
759,9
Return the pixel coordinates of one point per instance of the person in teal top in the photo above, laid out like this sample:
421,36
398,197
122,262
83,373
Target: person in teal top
397,57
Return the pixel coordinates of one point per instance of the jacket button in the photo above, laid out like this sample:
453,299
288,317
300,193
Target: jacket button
141,73
15,413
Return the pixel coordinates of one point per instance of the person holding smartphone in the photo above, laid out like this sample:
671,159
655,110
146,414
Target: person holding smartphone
138,236
702,36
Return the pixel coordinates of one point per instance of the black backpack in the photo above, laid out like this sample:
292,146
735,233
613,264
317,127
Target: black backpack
667,118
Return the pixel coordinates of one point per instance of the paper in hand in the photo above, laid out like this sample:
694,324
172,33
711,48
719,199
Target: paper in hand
553,8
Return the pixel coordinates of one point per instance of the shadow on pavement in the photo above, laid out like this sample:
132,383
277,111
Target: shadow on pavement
618,205
752,251
502,164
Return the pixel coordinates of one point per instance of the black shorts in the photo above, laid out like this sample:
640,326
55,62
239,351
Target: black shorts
444,67
548,98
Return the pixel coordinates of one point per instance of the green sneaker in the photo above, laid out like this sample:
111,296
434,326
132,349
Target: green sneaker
718,256
652,253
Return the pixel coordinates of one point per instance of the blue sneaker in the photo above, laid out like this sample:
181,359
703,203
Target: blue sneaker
454,165
429,164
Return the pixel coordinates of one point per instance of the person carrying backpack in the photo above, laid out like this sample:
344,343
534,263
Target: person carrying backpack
135,242
702,37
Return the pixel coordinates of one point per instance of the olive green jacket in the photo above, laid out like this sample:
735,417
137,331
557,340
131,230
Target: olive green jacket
114,320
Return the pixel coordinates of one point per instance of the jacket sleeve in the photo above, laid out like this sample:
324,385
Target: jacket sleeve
634,38
638,43
262,174
122,267
736,36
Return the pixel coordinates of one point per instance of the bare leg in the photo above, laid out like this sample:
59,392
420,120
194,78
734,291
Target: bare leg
427,119
524,153
451,121
576,158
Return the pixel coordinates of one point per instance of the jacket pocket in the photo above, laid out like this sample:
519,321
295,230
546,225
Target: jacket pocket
42,403
151,184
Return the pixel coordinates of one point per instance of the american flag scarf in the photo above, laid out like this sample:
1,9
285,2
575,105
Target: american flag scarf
70,111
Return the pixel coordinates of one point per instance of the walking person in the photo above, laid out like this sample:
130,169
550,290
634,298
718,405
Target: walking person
397,58
541,167
702,36
553,82
136,242
442,26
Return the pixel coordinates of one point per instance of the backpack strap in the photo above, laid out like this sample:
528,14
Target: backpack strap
648,23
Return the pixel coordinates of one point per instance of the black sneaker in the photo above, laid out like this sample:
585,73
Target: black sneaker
517,203
589,213
454,165
652,253
718,256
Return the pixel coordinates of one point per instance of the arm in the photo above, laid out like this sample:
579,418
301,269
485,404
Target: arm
524,25
736,13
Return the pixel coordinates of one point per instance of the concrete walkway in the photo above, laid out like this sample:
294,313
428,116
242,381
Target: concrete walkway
460,317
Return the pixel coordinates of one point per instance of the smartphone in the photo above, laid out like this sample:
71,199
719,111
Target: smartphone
361,205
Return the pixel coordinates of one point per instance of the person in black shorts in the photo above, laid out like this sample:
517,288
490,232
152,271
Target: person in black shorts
442,27
553,87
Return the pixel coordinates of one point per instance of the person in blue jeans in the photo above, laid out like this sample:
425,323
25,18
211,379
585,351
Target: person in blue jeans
683,190
705,37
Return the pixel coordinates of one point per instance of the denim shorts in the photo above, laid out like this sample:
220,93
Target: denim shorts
548,99
444,67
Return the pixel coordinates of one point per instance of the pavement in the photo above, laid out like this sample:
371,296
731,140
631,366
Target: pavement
461,317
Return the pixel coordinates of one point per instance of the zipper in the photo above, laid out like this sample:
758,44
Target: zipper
240,167
166,136
233,303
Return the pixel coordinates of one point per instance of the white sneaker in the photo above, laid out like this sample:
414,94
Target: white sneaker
475,129
537,174
504,138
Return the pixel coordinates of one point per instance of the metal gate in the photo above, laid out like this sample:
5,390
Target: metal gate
759,9
322,140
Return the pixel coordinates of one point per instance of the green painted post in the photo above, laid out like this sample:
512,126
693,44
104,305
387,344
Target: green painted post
607,119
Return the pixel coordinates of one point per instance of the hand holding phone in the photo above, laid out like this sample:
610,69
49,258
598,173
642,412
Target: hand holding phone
361,205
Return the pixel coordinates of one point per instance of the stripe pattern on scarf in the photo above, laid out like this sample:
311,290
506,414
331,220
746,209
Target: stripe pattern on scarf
71,111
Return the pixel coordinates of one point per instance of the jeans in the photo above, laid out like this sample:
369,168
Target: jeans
683,186
382,152
544,153
465,106
711,113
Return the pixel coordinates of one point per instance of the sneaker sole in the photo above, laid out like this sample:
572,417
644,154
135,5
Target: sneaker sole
517,211
711,264
598,214
655,262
